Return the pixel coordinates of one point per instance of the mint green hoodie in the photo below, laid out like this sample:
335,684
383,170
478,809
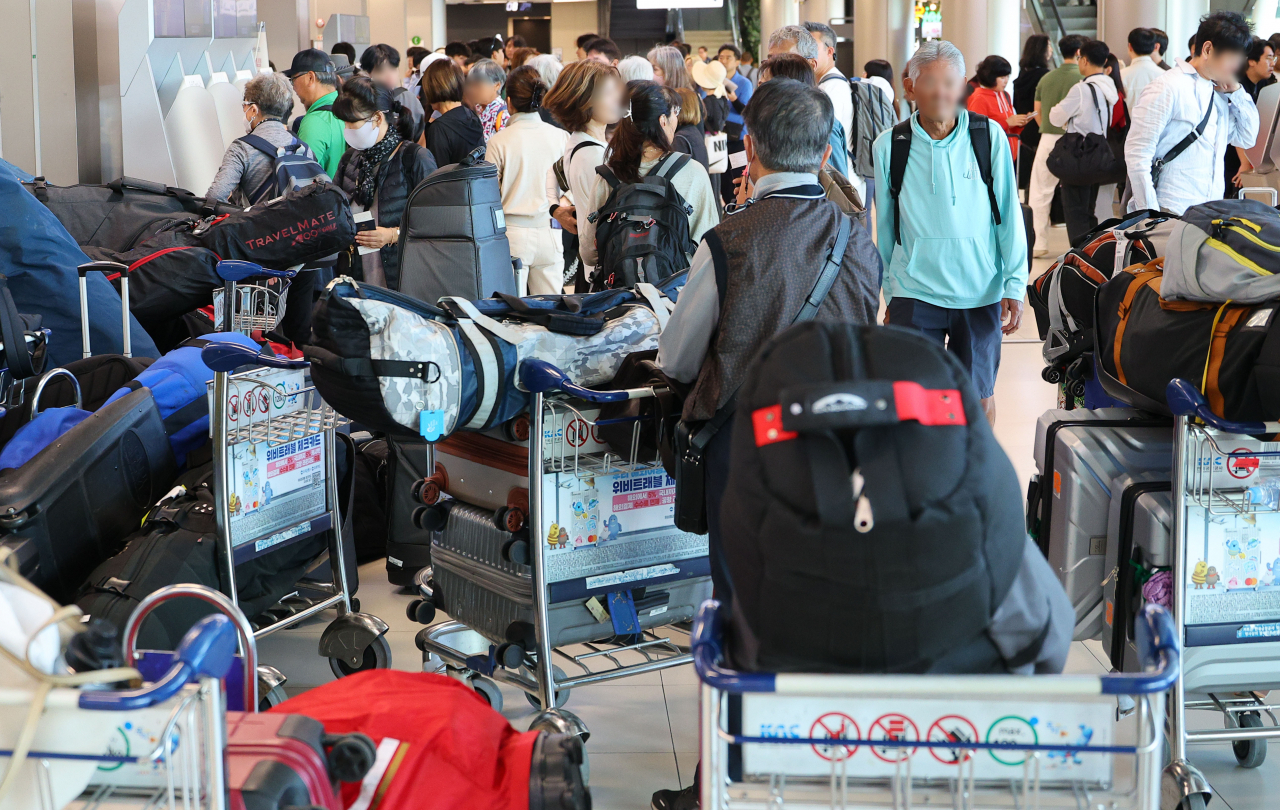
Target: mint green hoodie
952,255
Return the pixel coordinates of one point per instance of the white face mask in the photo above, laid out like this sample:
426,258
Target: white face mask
248,126
362,137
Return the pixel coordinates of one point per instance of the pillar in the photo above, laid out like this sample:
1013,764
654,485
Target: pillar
425,19
1178,18
823,11
980,28
773,15
882,29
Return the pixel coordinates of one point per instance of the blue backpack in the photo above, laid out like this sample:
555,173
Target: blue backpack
295,166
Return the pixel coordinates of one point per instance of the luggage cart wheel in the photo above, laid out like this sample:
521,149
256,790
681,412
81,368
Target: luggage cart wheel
488,690
509,519
422,611
270,688
1195,801
1051,374
356,642
1250,753
562,695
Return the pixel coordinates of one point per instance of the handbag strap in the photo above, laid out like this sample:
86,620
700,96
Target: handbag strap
1093,91
14,336
808,310
1191,137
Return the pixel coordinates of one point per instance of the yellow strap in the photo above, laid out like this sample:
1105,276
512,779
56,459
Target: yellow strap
1249,263
1217,316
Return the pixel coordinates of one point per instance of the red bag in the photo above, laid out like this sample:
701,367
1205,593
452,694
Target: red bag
440,746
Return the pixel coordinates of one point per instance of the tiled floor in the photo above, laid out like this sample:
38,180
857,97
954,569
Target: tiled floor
644,730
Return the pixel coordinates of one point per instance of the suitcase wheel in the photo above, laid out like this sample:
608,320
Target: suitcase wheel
517,430
509,519
1051,374
516,550
510,655
428,490
422,611
431,518
349,756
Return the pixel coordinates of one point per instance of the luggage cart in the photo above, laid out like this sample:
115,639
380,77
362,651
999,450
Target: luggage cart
567,467
772,741
1226,588
258,297
269,424
188,718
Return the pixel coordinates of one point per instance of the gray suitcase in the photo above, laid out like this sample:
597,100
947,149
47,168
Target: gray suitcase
476,583
1089,450
1138,539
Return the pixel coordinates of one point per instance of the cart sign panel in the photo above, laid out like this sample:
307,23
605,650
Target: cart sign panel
940,724
1233,572
603,524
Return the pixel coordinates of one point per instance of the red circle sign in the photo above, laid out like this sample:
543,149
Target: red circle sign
577,432
895,728
956,729
1242,463
835,726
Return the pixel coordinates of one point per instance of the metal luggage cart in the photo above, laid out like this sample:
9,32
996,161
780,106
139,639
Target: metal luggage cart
773,741
567,457
269,425
258,297
183,770
1226,589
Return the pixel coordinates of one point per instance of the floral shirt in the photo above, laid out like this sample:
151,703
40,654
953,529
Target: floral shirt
493,117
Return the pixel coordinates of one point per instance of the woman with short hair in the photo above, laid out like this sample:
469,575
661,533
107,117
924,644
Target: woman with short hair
991,100
483,92
457,130
248,173
636,68
378,172
689,137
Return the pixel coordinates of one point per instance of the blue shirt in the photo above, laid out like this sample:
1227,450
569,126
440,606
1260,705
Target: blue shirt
744,91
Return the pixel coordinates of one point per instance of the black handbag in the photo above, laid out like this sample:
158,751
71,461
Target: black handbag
1085,160
692,438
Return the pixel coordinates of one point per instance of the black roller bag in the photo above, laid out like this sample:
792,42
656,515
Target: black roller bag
307,224
1230,351
408,547
453,237
73,504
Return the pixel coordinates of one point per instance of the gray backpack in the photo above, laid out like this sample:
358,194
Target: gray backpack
872,114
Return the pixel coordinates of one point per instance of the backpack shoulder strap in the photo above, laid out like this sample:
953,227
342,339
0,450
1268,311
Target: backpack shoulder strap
831,78
608,175
261,144
579,148
670,165
980,140
829,271
899,153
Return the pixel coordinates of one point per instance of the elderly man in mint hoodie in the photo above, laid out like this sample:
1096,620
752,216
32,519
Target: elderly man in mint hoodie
948,223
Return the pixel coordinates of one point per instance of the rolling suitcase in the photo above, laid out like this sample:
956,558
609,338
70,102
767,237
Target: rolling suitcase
1078,453
1138,545
408,546
276,762
453,240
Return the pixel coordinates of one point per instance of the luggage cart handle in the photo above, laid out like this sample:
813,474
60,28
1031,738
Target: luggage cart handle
206,651
539,376
239,270
1158,652
1185,400
227,357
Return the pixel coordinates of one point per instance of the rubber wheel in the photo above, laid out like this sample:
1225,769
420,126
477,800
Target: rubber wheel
1250,753
376,656
562,696
1193,802
488,690
1051,374
274,697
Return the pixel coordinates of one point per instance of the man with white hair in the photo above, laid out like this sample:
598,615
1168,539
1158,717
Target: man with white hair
949,222
831,80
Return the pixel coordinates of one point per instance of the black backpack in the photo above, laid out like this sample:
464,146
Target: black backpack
900,152
642,230
875,521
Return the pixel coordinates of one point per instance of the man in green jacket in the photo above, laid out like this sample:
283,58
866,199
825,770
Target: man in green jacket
316,82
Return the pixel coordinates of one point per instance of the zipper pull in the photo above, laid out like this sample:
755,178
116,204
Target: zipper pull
863,519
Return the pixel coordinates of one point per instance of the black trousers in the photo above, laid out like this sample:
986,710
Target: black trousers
726,179
717,460
1078,203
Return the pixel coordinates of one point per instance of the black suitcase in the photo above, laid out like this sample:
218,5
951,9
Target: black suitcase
453,237
73,504
1029,224
408,547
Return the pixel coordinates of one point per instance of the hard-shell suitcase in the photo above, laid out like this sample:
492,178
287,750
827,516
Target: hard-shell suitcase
71,506
277,761
453,240
1078,453
1138,544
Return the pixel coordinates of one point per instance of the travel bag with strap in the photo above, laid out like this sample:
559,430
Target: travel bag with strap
900,153
1081,159
691,439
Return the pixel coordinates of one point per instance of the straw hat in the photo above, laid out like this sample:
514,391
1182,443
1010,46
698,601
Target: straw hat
709,76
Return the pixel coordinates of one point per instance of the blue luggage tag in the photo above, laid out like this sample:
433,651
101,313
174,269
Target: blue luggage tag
431,425
622,609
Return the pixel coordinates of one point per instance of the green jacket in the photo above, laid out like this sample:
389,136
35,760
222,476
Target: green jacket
322,131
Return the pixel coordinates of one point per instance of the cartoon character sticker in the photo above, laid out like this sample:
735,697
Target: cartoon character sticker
1198,574
585,504
1211,578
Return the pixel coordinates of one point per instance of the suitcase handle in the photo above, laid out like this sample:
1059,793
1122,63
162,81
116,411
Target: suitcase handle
239,270
1185,400
227,357
106,268
207,651
44,380
538,376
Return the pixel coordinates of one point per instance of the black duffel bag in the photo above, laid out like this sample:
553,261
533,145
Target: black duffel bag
1086,160
1230,351
307,224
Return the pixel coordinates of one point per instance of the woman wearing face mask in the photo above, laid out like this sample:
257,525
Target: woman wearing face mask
378,172
587,99
642,142
247,174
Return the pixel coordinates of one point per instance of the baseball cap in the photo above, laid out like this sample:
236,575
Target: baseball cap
312,59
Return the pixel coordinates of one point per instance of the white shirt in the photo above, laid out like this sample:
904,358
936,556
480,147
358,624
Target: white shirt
1077,111
1171,107
580,171
1141,71
524,151
836,86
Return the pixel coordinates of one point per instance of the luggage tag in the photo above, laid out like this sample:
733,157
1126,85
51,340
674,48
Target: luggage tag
622,609
431,424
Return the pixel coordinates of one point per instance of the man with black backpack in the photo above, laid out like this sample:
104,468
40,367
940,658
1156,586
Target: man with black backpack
951,234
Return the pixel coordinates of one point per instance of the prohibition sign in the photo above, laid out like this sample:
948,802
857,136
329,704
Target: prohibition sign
956,729
577,432
1242,463
896,728
834,726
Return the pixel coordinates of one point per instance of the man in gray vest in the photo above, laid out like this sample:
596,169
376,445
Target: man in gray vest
753,272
